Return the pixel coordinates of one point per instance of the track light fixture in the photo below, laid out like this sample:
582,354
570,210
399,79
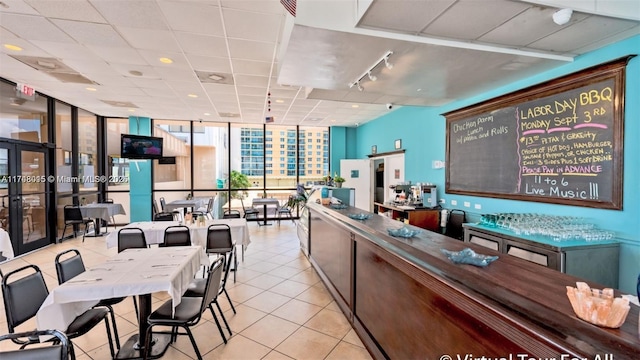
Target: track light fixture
368,73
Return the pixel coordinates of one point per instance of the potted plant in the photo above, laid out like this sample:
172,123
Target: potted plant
338,180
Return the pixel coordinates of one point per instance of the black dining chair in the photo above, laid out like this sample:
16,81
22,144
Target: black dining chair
231,214
131,238
24,296
249,212
163,208
68,267
196,288
73,217
160,216
113,218
454,228
60,348
189,312
206,212
177,235
219,242
285,211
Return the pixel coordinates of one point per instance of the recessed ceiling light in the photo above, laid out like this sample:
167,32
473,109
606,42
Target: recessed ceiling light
419,90
279,100
215,77
192,95
333,120
132,110
166,60
91,89
207,114
12,47
355,106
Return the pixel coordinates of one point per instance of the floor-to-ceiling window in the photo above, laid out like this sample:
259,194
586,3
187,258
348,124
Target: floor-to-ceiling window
118,169
87,156
173,181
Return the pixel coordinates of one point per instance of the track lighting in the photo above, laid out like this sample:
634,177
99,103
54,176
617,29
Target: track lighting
369,74
387,63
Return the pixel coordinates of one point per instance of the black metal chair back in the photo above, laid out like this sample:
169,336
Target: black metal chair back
131,238
231,214
24,296
73,216
163,204
454,224
249,212
219,239
177,235
70,267
164,317
59,349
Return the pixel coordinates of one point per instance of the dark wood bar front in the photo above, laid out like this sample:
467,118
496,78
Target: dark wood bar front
406,300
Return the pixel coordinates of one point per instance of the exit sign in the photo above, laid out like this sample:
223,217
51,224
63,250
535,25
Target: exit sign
26,91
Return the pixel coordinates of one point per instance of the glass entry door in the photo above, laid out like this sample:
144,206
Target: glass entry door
24,193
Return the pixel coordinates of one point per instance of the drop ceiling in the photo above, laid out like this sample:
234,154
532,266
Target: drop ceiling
241,60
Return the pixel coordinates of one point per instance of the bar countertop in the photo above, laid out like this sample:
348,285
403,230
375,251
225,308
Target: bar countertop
527,293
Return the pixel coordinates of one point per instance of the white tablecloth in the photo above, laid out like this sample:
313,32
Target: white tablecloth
102,210
131,272
5,245
195,203
154,232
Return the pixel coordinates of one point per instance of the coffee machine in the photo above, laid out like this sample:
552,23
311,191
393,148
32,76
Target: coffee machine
427,194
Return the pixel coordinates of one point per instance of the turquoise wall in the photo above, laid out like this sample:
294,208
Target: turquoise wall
422,130
140,175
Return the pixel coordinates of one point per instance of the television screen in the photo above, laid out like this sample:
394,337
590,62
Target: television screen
141,147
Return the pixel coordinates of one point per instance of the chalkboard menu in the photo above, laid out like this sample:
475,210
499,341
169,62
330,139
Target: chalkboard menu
557,142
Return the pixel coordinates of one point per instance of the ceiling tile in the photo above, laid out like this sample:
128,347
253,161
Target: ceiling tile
251,50
251,90
149,39
252,26
583,33
488,15
410,18
248,67
146,72
250,80
132,14
204,45
199,18
91,34
177,75
80,10
208,63
66,50
33,28
262,6
123,55
218,88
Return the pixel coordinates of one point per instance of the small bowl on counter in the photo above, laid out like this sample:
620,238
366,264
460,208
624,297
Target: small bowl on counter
403,232
339,206
359,216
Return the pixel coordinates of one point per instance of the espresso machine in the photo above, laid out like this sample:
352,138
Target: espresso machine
426,195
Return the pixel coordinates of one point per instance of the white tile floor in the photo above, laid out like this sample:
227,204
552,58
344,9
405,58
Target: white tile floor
283,309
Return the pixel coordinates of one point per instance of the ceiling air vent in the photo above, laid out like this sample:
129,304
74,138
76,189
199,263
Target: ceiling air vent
125,104
228,115
208,77
55,68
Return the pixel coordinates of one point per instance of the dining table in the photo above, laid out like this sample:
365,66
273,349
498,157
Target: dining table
132,272
6,248
265,203
194,204
99,212
154,232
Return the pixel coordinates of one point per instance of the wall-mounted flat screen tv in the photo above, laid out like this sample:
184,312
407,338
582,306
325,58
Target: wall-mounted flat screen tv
140,147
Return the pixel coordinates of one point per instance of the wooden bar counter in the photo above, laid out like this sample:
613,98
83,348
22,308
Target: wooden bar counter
406,300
